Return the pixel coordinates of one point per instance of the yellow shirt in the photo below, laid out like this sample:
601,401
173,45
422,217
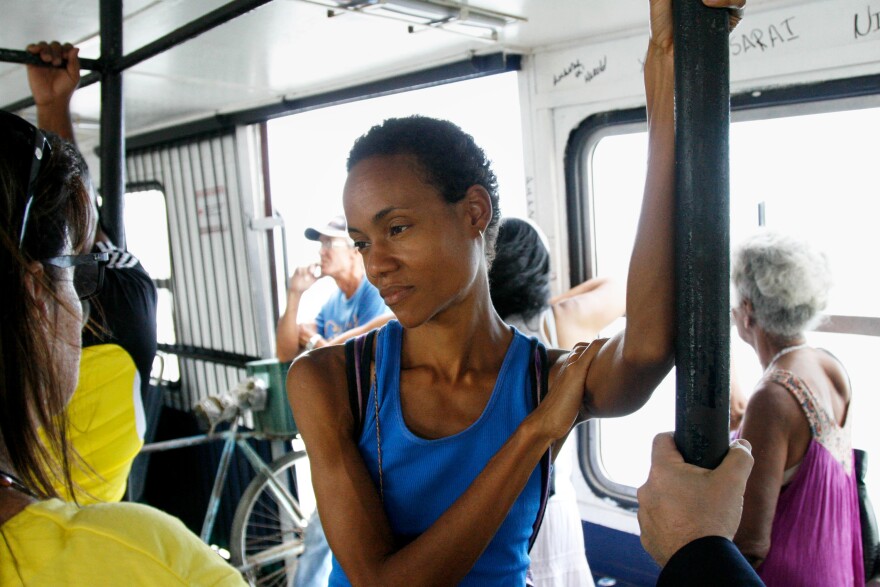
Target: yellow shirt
112,544
106,423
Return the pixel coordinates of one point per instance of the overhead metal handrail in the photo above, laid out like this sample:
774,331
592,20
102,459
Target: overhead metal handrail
108,70
189,31
186,351
15,56
179,35
112,124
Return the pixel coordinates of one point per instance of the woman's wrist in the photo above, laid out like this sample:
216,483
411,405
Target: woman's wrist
534,434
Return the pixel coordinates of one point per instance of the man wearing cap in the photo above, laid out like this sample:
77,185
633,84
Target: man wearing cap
355,304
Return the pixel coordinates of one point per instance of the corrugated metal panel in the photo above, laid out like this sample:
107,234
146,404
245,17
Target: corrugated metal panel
219,266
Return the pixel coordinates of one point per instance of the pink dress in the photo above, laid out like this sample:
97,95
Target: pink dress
816,535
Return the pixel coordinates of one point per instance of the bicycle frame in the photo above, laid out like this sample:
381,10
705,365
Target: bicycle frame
231,438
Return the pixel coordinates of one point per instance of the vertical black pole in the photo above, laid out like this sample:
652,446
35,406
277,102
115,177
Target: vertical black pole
702,121
112,123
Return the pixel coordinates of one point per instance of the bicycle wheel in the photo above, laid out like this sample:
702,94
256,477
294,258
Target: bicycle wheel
267,531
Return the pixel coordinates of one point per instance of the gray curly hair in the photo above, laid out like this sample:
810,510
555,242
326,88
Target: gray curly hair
786,280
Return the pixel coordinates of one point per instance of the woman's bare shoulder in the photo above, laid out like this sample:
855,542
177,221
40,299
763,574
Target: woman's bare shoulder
836,372
772,395
317,383
326,363
772,405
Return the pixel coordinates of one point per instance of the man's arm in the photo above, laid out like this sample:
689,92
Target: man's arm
711,560
377,322
688,516
681,502
53,87
585,309
287,335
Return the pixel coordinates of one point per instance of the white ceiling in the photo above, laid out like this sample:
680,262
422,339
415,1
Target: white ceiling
287,48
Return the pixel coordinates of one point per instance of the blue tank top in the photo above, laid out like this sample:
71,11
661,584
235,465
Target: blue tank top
423,477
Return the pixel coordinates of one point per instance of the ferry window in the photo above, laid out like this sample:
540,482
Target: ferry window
146,235
308,151
809,174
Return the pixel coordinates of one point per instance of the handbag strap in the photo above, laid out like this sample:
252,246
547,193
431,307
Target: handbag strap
358,361
870,532
540,378
358,357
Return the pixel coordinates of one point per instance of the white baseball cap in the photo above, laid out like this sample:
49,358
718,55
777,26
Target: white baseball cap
336,228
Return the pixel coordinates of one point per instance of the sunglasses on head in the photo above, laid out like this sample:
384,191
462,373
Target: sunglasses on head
17,129
88,269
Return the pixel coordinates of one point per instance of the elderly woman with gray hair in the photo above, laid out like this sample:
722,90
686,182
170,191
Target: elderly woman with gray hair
800,523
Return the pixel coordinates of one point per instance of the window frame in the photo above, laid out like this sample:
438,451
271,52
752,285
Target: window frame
833,95
159,283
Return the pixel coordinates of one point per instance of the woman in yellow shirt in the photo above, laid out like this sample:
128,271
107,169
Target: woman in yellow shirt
44,217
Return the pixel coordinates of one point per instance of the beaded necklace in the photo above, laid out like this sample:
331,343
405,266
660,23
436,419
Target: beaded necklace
785,351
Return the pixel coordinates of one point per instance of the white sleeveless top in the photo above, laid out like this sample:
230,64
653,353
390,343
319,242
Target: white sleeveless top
558,554
537,326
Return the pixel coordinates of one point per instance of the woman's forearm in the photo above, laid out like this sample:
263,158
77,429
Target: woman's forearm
445,553
650,308
448,550
630,365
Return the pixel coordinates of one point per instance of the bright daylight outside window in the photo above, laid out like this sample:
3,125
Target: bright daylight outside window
811,173
146,235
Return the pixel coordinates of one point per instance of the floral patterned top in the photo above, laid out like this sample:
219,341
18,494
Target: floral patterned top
824,429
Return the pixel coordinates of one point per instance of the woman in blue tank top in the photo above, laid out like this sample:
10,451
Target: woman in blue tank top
440,486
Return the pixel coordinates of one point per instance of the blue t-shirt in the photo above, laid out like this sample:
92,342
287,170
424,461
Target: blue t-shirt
340,314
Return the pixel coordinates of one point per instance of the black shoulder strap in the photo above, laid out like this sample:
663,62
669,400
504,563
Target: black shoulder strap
544,369
351,377
540,377
358,356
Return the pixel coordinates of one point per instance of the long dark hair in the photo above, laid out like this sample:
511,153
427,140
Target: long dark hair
32,393
519,279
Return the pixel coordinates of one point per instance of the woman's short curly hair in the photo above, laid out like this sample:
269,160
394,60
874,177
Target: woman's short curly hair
785,279
450,159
